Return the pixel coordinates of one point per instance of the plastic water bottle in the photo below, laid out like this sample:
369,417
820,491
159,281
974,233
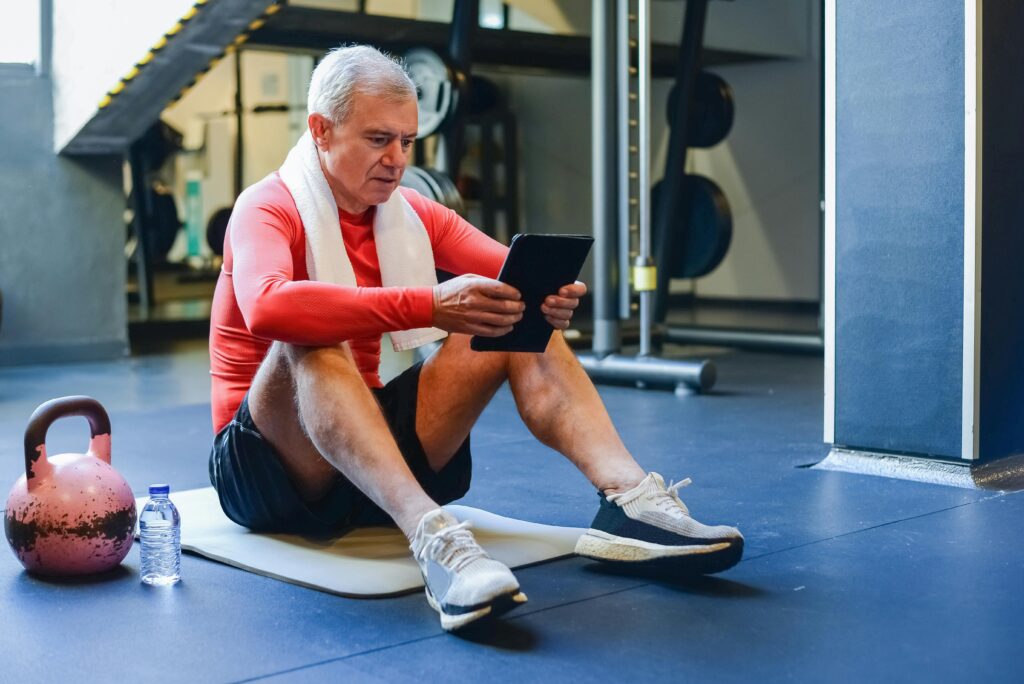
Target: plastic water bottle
160,534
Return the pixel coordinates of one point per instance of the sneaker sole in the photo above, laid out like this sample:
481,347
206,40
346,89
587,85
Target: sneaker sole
497,607
697,559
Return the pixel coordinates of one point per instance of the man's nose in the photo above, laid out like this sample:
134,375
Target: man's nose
394,155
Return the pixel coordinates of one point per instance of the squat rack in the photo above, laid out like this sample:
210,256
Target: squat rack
621,190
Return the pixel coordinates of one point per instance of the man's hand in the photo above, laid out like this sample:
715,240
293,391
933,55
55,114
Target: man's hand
558,308
476,305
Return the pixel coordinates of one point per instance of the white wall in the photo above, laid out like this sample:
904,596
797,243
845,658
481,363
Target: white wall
776,27
769,168
95,43
19,32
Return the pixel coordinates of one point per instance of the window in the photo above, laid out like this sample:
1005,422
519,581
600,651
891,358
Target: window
19,32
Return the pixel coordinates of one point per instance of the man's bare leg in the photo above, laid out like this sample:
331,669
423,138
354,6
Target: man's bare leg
563,410
314,408
556,400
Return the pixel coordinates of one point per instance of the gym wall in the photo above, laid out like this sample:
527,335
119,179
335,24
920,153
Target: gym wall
62,229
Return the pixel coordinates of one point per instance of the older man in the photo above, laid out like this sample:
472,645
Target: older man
309,439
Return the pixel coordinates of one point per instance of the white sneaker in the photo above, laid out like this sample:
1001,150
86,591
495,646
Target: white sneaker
463,583
651,525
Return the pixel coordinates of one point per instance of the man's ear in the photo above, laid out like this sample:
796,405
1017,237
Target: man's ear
320,128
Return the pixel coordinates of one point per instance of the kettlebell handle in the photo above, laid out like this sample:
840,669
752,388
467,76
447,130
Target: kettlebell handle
36,465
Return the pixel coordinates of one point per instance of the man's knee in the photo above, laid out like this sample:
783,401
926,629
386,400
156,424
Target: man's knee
458,347
337,357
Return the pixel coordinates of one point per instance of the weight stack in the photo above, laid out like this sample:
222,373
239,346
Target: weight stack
924,159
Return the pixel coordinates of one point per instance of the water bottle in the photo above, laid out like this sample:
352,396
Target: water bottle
160,534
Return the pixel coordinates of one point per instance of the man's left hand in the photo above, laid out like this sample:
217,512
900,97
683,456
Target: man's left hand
558,308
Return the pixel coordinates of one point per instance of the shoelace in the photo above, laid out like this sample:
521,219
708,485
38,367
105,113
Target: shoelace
453,547
668,500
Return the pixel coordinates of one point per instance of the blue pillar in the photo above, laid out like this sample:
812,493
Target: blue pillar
925,227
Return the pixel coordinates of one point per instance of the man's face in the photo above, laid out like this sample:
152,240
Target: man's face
364,156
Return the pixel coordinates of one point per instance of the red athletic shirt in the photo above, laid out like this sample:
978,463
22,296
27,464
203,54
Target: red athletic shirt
264,292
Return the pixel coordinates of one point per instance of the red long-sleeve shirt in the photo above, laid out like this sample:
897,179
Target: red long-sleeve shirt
264,292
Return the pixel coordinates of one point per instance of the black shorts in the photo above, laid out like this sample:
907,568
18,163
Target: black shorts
256,492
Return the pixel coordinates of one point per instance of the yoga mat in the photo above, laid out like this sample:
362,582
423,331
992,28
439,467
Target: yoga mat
367,562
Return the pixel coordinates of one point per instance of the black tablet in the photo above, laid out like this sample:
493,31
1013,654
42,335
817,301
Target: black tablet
537,266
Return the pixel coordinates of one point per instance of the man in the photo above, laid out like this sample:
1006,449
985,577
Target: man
310,441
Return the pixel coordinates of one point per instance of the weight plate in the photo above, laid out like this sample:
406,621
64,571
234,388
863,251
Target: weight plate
712,112
434,185
452,198
417,179
708,228
436,95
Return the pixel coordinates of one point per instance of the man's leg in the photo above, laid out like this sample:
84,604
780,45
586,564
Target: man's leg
639,520
314,408
312,405
556,400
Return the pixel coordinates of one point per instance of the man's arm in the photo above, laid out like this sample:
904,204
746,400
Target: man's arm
460,248
304,312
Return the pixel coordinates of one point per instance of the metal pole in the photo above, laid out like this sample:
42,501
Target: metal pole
45,38
625,151
644,166
646,371
239,122
794,343
465,22
685,377
140,192
671,201
607,338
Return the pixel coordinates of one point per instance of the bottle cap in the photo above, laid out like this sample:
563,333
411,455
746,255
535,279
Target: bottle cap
159,489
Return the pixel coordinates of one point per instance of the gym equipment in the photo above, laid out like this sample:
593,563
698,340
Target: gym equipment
687,122
484,95
434,185
443,83
155,221
622,154
693,223
436,93
217,228
708,223
70,514
442,98
447,96
712,111
367,562
163,223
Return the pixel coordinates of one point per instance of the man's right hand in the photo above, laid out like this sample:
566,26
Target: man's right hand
475,305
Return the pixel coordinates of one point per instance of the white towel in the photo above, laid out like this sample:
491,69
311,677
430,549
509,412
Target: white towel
403,247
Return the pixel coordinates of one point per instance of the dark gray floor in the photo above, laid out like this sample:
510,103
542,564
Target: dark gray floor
846,578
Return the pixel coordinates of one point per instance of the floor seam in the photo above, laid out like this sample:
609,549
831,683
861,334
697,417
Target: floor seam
872,527
426,638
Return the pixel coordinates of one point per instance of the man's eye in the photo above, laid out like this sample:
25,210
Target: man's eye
378,140
406,143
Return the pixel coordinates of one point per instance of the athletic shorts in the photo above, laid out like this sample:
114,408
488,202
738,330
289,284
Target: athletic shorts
256,492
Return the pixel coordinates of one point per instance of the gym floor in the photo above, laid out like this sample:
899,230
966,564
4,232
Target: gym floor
845,577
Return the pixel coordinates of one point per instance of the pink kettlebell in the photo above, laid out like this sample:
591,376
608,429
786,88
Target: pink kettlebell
71,514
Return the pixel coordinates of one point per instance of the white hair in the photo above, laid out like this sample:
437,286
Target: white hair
352,69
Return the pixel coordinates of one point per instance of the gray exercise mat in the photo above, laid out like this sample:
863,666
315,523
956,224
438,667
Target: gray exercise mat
368,562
